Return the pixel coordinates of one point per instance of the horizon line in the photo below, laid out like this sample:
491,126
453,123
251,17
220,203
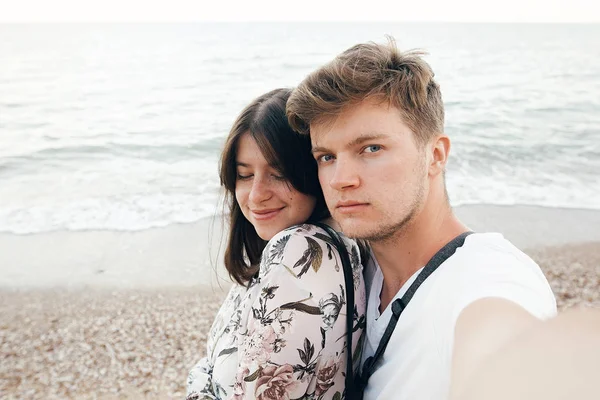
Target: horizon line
297,21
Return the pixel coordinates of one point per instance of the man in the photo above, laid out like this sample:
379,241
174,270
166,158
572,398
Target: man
376,121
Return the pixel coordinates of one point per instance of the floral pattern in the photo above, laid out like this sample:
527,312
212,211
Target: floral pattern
283,336
276,382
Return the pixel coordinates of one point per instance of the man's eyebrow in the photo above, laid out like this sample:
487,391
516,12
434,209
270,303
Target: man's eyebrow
367,138
319,149
357,141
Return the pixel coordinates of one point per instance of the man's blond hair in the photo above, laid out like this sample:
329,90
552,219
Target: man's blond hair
370,70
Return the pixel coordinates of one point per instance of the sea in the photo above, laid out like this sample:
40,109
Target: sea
120,126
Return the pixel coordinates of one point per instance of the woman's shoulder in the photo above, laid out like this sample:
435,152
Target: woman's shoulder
316,232
302,230
305,236
306,247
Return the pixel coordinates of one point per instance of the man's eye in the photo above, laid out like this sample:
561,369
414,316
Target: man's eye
372,148
324,158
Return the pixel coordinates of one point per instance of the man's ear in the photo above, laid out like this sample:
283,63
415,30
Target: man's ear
440,149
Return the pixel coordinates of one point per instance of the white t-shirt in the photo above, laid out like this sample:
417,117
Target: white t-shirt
417,361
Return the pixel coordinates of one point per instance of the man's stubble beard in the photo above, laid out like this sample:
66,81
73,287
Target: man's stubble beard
387,233
398,229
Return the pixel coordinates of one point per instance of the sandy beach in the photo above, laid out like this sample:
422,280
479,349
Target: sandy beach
134,329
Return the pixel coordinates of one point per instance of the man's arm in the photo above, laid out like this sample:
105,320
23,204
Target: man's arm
550,360
482,329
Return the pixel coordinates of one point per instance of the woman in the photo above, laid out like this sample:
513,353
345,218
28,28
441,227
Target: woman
280,334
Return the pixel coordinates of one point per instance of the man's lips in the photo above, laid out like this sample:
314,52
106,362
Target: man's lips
350,206
262,215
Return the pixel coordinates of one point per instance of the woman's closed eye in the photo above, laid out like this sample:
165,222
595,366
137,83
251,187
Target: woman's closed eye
243,177
247,176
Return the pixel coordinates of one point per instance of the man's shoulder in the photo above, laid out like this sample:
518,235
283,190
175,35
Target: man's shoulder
489,266
488,250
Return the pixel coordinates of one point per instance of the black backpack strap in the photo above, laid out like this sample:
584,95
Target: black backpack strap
349,283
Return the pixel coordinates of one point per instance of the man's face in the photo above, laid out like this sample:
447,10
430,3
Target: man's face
372,171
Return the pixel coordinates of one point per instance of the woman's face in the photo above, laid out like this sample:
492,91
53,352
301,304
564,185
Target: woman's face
266,198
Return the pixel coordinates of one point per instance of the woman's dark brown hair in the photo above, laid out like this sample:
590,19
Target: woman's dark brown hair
264,119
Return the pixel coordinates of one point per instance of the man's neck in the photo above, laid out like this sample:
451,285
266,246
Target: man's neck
400,256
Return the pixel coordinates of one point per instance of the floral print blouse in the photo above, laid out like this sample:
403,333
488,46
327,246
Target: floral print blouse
283,336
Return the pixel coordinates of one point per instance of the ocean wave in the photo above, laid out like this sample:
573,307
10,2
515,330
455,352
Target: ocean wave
124,213
145,211
168,153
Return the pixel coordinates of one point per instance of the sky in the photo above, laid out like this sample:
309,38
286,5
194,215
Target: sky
552,11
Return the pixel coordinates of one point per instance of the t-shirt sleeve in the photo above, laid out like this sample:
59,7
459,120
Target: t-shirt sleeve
294,345
508,276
